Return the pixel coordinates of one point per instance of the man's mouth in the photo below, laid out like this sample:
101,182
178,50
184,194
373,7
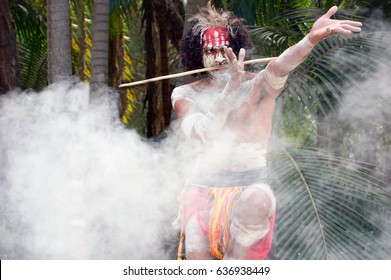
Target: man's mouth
224,63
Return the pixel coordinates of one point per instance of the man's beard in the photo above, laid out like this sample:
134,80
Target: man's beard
220,76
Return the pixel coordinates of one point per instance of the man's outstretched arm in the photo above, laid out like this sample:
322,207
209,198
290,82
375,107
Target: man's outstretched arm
278,70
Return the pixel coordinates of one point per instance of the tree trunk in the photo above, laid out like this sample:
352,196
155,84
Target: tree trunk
100,46
116,60
170,15
82,39
164,70
59,40
9,62
162,97
167,17
151,68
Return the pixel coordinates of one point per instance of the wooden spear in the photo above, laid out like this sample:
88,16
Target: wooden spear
252,61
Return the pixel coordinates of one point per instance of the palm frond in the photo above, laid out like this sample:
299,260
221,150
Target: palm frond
328,208
33,63
31,36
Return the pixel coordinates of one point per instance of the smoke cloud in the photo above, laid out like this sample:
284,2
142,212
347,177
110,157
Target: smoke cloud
76,184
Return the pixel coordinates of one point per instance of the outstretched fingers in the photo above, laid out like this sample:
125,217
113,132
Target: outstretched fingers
351,28
236,67
345,28
326,26
230,54
242,54
331,12
351,22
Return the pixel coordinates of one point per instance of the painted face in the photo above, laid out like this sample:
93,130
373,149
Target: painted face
215,56
214,40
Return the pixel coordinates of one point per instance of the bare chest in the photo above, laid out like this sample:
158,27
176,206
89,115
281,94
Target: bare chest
251,122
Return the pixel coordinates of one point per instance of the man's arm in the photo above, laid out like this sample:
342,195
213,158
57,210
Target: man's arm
198,125
278,70
204,126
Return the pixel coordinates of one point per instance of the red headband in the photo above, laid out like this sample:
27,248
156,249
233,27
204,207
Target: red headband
216,36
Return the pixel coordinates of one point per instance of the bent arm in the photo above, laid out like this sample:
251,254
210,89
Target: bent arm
203,126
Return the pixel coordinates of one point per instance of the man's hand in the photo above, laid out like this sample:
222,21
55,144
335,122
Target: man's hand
235,68
325,26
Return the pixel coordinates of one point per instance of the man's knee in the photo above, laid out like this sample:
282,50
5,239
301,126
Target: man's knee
255,204
250,222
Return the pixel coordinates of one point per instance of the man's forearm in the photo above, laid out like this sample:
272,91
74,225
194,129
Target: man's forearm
293,56
204,126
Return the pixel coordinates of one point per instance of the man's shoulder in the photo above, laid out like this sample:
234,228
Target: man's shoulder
185,91
199,83
193,86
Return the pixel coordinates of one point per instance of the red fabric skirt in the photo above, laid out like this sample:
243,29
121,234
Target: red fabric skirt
199,200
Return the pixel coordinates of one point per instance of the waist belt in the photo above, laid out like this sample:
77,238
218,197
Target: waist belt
231,178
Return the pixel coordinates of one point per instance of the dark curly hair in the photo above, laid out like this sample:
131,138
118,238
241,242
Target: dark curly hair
191,47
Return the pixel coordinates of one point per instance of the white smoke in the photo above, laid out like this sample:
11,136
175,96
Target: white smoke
76,184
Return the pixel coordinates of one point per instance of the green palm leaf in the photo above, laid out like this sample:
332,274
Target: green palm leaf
31,36
328,208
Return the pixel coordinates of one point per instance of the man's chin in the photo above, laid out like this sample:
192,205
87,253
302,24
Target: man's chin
220,73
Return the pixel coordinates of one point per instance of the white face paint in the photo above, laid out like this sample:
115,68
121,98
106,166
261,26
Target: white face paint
214,56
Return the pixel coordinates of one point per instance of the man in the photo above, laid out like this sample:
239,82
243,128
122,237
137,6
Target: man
227,207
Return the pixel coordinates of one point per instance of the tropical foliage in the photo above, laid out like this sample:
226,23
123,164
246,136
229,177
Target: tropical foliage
29,18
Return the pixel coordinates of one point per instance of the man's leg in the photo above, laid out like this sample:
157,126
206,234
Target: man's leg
196,241
250,220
